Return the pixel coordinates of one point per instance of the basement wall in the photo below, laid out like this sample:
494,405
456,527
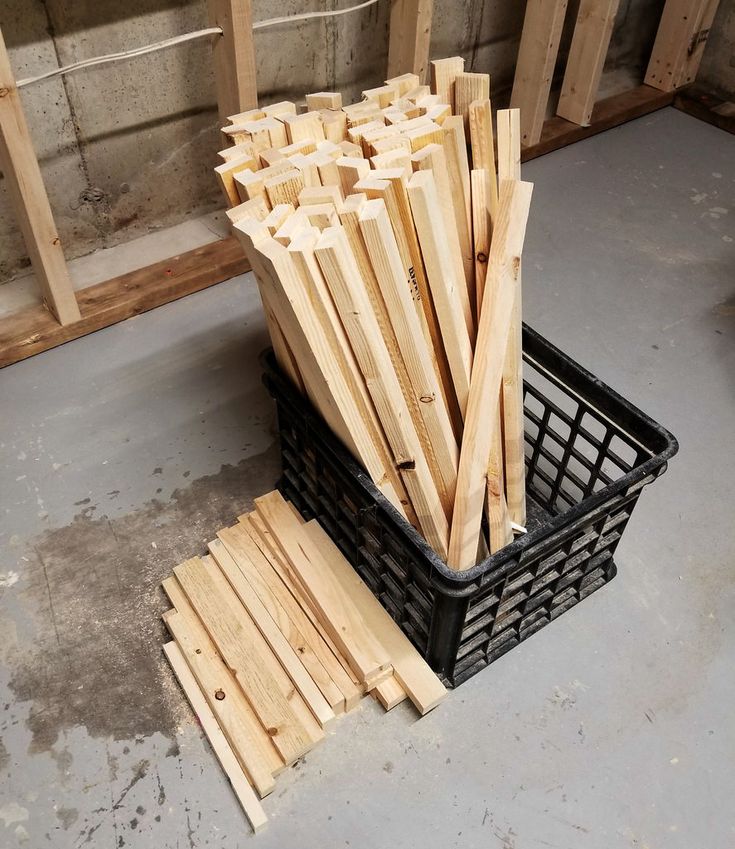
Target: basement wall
128,148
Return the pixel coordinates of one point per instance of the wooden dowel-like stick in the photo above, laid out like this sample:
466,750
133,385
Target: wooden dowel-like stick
484,396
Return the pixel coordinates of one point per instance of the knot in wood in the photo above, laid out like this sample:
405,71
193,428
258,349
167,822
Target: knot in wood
219,695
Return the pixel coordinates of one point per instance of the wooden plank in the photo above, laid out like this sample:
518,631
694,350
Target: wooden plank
592,33
409,37
483,147
281,285
323,100
348,291
455,151
492,339
234,56
413,673
286,610
335,608
702,104
225,173
424,383
608,113
443,74
449,291
542,28
249,802
279,707
680,42
351,170
33,330
268,626
271,549
469,87
29,200
509,168
302,252
390,693
247,737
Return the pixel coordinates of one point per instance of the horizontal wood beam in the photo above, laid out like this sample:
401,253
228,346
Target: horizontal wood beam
608,113
33,330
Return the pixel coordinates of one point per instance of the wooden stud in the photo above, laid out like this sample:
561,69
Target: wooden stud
348,292
237,719
481,229
443,74
280,213
468,88
509,168
249,802
256,208
390,693
429,133
410,37
30,201
335,126
592,32
680,42
399,300
283,107
542,28
455,151
447,288
382,95
234,56
492,339
421,684
238,150
274,636
336,610
307,126
322,194
248,115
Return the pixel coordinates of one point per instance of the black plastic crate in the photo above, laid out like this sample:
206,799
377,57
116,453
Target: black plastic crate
589,453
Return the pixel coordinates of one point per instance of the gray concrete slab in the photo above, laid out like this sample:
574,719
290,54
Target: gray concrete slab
123,452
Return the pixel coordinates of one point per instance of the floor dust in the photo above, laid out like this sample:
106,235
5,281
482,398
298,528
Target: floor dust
94,589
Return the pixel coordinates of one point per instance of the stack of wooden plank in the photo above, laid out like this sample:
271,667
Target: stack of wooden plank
388,260
274,636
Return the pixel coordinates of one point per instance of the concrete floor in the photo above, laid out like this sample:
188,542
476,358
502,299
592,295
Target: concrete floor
123,452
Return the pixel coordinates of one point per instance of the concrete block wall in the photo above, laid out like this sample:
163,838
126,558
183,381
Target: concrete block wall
128,148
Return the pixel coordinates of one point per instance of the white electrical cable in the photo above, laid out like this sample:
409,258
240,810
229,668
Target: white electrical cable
180,39
308,15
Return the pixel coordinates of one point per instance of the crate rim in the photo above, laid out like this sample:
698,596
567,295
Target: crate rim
495,565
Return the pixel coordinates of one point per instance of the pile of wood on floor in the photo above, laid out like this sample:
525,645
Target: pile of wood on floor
388,261
274,636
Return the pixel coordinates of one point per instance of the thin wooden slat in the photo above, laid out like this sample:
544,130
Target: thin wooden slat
335,608
342,276
469,87
29,200
455,151
443,74
234,56
302,252
449,292
483,147
274,636
249,802
592,33
252,746
390,693
492,339
680,42
272,550
409,38
413,673
280,708
323,666
509,168
386,261
542,28
322,377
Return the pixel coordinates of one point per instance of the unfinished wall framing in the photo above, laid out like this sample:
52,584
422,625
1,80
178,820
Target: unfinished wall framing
66,315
